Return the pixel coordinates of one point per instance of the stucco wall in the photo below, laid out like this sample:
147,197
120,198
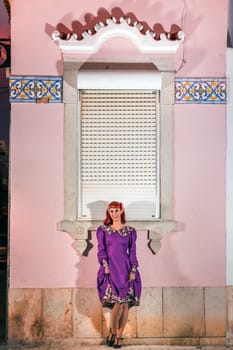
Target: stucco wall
41,256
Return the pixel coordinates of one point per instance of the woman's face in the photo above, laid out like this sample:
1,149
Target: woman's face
115,213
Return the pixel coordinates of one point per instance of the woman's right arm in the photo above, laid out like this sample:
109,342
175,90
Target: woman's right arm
102,253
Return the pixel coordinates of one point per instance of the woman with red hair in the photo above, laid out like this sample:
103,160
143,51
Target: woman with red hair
118,279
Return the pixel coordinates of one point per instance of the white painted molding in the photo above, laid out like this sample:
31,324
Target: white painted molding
91,42
119,79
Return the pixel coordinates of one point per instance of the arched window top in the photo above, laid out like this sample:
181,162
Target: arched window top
147,42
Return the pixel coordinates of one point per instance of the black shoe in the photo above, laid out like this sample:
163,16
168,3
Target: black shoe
116,344
110,338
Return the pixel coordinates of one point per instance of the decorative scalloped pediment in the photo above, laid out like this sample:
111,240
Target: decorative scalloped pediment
90,42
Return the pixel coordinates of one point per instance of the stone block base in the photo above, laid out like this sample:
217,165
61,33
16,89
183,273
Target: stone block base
166,316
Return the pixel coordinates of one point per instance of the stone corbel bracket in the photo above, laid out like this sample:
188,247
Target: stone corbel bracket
91,42
78,231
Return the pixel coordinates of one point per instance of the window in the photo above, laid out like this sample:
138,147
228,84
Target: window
119,152
81,186
90,160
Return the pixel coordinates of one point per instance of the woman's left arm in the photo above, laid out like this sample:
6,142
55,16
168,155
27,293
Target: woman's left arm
132,251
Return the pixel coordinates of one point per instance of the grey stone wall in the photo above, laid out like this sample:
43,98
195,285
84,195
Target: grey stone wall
174,316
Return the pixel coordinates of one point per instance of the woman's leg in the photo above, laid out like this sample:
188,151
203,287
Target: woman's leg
114,323
116,315
121,326
123,320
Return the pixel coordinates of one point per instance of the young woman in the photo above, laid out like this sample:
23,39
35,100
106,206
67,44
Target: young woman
118,279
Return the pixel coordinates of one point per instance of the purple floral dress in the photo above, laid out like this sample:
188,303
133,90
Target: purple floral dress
118,250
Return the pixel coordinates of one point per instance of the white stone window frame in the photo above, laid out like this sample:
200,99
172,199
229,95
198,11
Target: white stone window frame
79,228
162,56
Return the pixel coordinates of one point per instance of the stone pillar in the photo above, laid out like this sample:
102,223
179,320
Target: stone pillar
229,304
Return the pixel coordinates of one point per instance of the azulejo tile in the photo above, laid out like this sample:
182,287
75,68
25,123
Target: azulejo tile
22,89
200,90
45,89
35,89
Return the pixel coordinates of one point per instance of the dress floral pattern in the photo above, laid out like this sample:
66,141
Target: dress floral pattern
118,250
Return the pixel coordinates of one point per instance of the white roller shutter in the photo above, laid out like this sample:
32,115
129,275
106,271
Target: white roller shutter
119,152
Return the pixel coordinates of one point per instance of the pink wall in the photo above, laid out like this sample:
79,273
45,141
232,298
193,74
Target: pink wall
200,144
41,256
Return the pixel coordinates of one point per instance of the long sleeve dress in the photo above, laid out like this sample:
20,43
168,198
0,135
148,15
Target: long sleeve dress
118,250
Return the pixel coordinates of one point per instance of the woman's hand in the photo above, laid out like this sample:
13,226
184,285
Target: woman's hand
106,267
132,276
106,270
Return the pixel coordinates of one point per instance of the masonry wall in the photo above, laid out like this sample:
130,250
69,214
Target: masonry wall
187,316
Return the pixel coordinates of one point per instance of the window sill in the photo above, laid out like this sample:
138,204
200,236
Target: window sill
79,231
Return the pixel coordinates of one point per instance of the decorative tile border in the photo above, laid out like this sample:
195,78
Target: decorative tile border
49,89
200,90
36,89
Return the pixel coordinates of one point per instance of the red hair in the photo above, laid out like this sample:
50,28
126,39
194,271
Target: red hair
114,204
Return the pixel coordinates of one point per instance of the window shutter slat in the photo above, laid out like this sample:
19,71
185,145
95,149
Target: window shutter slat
119,146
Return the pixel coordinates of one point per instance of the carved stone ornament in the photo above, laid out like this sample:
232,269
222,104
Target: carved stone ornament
89,42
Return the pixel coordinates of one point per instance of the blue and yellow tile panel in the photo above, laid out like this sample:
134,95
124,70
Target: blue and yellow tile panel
36,89
49,89
200,90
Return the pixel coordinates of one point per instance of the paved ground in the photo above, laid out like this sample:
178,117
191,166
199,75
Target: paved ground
126,347
104,347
